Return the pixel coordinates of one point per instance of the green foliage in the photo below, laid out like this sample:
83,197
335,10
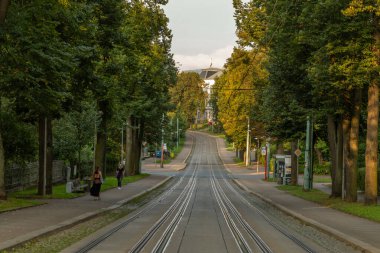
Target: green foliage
37,61
74,132
188,96
322,169
19,138
236,92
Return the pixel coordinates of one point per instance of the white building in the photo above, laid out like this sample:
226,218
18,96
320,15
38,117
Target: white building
209,75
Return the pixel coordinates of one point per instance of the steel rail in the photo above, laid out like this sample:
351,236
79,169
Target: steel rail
266,218
239,238
168,233
153,229
110,232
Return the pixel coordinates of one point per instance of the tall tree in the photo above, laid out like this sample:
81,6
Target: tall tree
338,71
149,71
372,10
188,95
37,69
3,11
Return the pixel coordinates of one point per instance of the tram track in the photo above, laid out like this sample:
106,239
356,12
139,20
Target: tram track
261,213
181,202
242,232
135,216
230,213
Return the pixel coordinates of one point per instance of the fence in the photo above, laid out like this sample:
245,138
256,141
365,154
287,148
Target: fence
20,177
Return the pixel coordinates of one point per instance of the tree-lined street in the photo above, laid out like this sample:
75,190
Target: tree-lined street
87,84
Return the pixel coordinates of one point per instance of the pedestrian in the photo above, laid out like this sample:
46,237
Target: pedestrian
97,181
119,175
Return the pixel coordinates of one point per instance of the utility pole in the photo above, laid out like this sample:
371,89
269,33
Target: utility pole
258,155
122,144
162,143
45,158
177,132
308,173
267,158
248,151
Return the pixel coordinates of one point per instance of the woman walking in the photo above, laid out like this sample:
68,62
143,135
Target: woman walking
119,175
97,181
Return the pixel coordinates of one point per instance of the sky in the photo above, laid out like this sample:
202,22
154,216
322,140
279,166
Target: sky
202,30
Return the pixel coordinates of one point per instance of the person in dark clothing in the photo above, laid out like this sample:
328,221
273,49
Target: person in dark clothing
97,181
119,175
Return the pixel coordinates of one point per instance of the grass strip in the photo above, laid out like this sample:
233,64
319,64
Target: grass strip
322,198
13,203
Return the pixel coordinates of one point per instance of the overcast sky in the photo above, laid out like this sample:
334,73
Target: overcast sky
202,29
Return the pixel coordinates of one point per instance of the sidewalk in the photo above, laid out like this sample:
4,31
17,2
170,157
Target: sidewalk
25,224
356,231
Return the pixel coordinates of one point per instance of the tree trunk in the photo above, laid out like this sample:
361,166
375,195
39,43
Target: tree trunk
335,138
101,139
49,157
371,156
45,175
318,152
3,194
294,163
372,145
137,147
129,147
3,9
352,147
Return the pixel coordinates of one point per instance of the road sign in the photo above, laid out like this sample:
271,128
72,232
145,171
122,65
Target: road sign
298,152
263,151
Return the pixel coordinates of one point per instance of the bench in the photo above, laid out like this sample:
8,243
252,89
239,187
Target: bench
76,186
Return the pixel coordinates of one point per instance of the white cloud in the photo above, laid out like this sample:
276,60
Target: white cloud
199,61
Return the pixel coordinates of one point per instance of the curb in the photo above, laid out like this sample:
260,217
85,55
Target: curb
362,246
71,222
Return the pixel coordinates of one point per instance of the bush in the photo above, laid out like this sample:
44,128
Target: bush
322,169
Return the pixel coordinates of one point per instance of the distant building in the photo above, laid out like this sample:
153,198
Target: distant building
209,75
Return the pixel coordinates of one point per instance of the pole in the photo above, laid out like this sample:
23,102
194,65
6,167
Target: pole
45,158
122,144
308,184
162,142
298,147
95,139
268,159
247,157
266,163
177,132
258,155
